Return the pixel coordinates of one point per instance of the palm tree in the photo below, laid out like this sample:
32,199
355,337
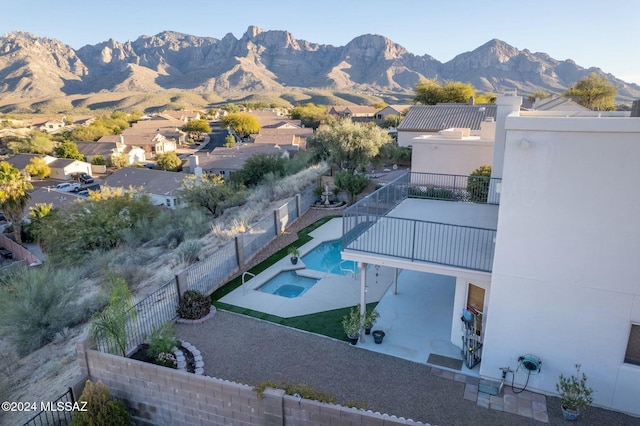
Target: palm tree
14,196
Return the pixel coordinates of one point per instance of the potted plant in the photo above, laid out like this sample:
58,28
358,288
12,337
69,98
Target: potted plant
574,394
378,335
351,324
369,319
294,253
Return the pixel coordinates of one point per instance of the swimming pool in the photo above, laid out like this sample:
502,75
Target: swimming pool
326,258
288,284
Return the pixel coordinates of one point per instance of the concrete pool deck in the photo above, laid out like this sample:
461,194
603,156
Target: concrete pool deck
330,292
416,320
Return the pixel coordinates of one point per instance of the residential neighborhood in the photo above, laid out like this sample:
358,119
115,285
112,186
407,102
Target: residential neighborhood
494,218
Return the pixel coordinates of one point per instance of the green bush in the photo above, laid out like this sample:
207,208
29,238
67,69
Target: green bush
36,303
193,305
102,410
478,184
163,339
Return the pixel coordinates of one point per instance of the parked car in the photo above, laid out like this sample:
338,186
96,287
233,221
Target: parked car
83,177
67,187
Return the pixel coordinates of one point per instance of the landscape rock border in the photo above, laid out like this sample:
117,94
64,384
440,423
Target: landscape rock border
182,361
207,317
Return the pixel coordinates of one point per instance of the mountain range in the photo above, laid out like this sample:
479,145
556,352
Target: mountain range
33,67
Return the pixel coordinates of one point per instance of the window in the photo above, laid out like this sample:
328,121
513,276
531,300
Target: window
633,347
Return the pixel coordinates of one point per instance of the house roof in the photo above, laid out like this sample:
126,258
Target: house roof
354,110
433,118
157,182
234,158
61,163
558,103
397,108
97,148
49,196
300,131
181,115
20,161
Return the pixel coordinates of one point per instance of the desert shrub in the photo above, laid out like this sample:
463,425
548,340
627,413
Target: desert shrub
192,222
193,305
172,238
162,340
36,303
102,410
305,391
188,251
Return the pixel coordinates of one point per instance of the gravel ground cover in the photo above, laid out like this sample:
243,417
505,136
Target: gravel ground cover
250,351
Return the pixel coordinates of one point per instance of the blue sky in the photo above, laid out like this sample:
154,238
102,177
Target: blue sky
591,32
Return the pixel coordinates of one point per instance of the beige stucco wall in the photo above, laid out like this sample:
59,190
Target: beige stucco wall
435,154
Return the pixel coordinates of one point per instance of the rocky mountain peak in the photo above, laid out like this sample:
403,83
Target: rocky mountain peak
32,66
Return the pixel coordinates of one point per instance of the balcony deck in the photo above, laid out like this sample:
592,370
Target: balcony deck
430,234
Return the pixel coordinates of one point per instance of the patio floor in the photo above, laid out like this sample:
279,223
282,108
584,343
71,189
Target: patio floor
417,320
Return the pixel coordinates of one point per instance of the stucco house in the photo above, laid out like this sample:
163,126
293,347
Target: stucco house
163,187
431,119
225,161
395,109
354,112
544,266
61,168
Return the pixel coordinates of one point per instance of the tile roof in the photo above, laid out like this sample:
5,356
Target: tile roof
433,118
156,182
234,158
97,148
49,196
20,161
61,163
354,110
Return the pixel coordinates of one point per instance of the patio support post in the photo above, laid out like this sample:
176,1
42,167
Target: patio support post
363,298
395,281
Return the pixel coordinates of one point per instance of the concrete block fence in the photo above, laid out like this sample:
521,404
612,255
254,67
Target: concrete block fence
160,395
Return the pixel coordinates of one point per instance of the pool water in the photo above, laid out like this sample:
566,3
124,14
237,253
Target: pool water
326,258
288,284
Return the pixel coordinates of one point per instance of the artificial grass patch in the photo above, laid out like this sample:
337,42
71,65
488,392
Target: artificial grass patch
327,323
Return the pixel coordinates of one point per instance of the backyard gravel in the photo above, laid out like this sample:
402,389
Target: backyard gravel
249,351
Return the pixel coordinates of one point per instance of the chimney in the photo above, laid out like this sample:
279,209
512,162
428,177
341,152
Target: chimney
635,108
472,101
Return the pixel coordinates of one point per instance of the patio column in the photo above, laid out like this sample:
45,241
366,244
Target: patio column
363,298
396,272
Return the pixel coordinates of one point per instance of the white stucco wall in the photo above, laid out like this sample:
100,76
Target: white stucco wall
565,278
434,154
405,138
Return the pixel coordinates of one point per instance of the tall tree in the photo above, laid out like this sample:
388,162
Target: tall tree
37,167
14,196
349,145
258,166
198,127
68,149
242,123
168,161
212,193
430,91
37,143
594,92
310,115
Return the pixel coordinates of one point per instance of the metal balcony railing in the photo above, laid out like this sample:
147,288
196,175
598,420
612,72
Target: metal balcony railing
368,228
